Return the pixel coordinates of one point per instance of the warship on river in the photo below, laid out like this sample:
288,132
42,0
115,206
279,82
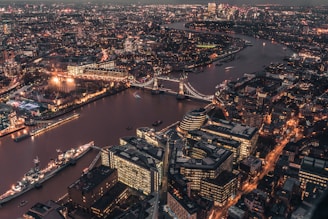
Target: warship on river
36,176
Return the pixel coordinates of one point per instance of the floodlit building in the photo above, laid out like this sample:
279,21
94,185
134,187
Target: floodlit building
211,7
210,166
246,135
220,189
193,120
98,71
135,168
232,145
315,171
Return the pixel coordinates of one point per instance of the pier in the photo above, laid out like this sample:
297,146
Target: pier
52,125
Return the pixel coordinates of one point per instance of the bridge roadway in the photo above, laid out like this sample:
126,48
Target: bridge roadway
168,79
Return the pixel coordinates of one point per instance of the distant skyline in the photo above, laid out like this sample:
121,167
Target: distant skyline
231,2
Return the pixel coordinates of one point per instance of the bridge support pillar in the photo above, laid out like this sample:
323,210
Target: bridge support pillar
181,94
155,89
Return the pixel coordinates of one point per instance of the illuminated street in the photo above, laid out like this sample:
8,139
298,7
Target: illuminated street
269,165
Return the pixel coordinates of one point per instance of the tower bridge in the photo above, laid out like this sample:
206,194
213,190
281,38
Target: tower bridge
185,88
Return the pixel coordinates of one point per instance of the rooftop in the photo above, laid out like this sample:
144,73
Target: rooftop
222,179
133,154
110,196
185,201
90,180
315,166
212,161
231,128
251,160
142,145
48,210
218,139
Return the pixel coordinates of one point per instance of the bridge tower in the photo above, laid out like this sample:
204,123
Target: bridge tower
181,94
155,89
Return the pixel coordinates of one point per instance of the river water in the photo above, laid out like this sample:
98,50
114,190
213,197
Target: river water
107,119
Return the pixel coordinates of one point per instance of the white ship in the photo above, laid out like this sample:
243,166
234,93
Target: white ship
36,176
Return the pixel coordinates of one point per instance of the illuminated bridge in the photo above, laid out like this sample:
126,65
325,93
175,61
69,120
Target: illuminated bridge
185,89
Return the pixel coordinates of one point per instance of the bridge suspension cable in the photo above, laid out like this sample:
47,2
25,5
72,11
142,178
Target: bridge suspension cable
196,94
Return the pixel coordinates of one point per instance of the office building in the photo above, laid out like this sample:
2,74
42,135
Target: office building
50,209
256,201
91,186
181,206
246,135
234,212
210,166
106,204
135,168
220,189
193,120
251,165
313,171
232,145
211,7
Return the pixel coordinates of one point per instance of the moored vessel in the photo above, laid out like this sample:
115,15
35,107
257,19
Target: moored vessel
36,176
157,123
22,203
22,137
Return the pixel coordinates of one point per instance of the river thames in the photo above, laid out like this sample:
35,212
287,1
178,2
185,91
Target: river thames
106,120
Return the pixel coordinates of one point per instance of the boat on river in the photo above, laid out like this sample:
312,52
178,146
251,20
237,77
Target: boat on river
136,95
22,137
36,176
22,203
157,123
228,68
248,43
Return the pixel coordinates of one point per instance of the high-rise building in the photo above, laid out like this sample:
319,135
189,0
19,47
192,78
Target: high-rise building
91,186
232,145
193,120
7,28
219,189
107,203
182,207
246,135
210,166
251,165
315,171
211,7
135,168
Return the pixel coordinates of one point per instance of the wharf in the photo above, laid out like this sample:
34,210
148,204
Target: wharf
54,124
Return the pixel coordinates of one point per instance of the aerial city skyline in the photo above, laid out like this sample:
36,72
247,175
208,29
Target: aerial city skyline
167,110
177,2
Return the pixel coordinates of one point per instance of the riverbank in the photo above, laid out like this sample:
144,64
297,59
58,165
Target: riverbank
69,109
54,124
